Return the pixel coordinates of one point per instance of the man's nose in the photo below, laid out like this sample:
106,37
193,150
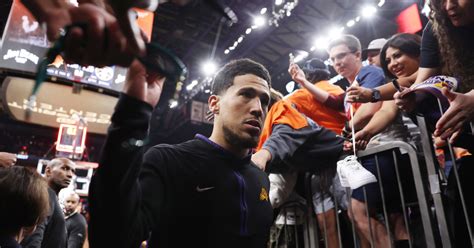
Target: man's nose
257,108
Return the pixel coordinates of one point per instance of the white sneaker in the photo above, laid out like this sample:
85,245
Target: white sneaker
352,174
281,186
342,176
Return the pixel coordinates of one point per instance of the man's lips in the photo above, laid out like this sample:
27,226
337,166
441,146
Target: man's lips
254,124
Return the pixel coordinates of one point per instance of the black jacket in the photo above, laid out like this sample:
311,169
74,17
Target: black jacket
193,194
52,231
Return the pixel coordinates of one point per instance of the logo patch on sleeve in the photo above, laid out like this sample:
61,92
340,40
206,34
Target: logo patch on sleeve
263,195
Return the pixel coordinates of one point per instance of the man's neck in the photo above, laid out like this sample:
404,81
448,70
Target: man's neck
220,140
69,215
352,77
55,188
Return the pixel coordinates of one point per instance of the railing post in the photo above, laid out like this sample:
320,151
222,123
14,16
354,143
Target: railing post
434,182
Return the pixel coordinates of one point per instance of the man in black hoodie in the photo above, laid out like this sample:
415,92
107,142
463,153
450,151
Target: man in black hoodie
52,231
205,192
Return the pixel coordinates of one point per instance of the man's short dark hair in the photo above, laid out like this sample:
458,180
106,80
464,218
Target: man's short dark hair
58,162
225,77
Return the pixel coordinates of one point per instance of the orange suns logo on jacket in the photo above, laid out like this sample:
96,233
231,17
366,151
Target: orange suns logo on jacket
263,195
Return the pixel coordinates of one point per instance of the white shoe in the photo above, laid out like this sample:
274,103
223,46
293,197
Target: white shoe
281,186
342,176
352,174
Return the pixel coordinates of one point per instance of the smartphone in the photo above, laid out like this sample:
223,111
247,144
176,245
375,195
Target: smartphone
292,58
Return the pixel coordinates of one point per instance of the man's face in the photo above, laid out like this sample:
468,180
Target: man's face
242,109
373,56
70,204
60,176
345,62
460,12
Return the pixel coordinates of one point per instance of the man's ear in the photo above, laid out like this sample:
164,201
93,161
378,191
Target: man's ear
213,103
358,54
47,171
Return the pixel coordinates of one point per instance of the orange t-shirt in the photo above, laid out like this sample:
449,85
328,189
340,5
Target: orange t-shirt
318,112
283,112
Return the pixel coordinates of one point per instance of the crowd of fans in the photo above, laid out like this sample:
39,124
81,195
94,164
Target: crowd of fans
219,191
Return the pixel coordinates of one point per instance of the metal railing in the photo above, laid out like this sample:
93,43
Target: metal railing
431,204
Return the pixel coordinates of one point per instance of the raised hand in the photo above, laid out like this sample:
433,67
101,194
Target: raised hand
404,100
297,74
99,42
143,85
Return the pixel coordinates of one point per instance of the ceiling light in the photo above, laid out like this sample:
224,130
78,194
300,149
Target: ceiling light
335,33
191,85
209,68
350,23
321,43
258,21
368,11
300,55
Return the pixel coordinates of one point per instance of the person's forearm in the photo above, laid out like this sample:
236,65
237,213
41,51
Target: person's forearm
425,73
382,118
388,90
318,94
364,114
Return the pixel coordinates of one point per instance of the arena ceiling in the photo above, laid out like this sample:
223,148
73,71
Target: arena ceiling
194,31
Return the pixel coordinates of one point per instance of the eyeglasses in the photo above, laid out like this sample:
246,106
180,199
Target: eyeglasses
157,59
339,56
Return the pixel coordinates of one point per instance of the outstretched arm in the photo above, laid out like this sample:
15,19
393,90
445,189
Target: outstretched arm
298,75
122,159
332,101
357,93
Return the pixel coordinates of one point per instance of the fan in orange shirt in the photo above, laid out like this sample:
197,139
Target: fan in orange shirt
298,129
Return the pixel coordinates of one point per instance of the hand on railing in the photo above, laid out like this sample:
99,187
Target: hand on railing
404,100
460,111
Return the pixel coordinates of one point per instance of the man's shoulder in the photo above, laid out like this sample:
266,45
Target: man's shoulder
182,150
76,218
371,76
186,146
370,69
